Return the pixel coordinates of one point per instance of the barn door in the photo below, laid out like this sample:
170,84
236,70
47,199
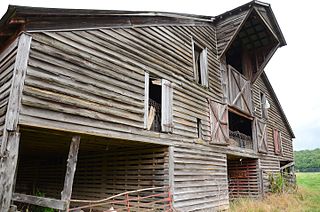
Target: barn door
239,91
219,122
261,135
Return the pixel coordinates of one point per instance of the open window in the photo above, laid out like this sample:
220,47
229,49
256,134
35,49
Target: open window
240,131
200,64
158,104
199,128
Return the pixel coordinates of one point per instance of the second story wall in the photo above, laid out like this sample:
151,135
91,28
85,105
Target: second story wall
94,81
275,120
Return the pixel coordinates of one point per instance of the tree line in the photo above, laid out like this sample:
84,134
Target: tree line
307,160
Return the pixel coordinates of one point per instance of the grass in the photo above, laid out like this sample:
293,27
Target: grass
306,199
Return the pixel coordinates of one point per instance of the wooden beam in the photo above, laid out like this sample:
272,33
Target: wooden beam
17,21
11,136
40,201
171,171
146,99
20,69
71,169
8,164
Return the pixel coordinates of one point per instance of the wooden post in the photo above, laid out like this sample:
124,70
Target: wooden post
171,172
71,169
11,136
260,178
8,164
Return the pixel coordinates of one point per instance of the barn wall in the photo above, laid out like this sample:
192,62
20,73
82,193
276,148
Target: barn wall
7,61
269,165
275,121
200,180
101,73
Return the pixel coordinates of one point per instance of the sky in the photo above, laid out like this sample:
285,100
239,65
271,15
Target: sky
293,71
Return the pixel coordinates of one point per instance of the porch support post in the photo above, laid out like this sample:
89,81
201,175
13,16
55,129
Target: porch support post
260,178
171,172
71,169
11,136
8,166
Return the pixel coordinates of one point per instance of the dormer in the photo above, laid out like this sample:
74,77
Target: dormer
247,37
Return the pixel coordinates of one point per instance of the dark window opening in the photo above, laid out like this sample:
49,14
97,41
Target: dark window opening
240,130
199,128
234,58
197,57
155,104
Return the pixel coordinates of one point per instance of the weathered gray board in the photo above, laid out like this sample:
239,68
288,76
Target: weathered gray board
10,137
92,82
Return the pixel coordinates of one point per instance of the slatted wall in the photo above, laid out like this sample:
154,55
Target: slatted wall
110,173
200,180
7,61
275,121
98,174
41,176
95,79
243,177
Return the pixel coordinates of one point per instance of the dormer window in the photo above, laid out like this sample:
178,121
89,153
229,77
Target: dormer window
252,47
200,64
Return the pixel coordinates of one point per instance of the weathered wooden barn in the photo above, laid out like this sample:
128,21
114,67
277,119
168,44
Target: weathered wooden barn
169,110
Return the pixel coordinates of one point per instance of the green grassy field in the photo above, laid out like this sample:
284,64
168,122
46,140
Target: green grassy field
310,184
306,199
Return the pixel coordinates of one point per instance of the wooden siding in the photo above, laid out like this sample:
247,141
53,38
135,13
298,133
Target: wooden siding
275,121
200,179
7,61
95,79
269,165
227,28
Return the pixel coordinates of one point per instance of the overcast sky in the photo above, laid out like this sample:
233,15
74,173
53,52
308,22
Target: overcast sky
293,70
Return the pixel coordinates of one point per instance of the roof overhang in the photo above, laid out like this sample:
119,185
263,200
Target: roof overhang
264,10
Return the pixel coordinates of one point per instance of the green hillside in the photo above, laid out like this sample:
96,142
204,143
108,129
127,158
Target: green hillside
307,160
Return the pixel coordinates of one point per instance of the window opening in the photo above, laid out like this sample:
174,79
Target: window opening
197,53
199,128
240,130
200,64
234,58
154,117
